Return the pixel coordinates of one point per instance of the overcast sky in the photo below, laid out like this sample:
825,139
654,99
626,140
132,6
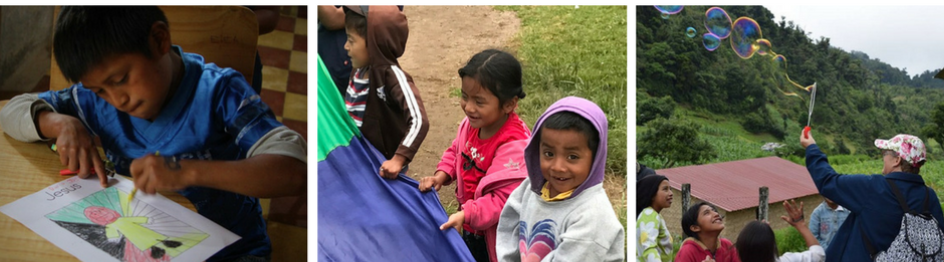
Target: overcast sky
909,37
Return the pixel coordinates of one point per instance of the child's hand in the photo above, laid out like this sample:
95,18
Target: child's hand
75,146
708,259
806,141
795,214
455,221
152,173
436,181
390,169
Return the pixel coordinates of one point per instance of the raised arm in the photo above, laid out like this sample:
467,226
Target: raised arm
850,191
796,219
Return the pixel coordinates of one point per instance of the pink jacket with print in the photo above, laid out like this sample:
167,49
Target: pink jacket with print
506,172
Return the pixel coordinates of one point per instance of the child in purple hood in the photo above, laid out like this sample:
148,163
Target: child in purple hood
561,212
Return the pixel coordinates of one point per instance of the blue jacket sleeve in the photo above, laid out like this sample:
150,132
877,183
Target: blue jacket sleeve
67,102
849,191
242,111
62,101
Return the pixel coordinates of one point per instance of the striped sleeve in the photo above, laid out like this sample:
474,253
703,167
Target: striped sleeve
243,113
406,94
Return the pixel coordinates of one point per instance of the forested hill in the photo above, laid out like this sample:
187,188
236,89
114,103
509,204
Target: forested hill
858,99
894,76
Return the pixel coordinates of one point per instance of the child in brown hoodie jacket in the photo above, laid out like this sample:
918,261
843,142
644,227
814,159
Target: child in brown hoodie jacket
381,97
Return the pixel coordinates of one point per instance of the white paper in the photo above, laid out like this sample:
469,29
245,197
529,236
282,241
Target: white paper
96,224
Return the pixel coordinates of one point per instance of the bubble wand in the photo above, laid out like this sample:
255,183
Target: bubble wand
806,130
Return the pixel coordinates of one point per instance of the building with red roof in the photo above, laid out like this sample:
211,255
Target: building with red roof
734,188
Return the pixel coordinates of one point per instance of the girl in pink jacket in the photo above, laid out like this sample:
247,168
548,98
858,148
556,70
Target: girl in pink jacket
486,158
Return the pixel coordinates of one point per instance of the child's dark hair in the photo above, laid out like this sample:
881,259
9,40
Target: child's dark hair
760,240
646,190
86,35
571,121
497,71
690,218
355,21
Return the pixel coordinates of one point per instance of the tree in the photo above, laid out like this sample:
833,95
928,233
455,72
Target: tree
652,108
841,147
935,130
760,121
674,141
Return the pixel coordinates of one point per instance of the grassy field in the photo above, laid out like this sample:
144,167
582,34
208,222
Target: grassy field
577,52
726,135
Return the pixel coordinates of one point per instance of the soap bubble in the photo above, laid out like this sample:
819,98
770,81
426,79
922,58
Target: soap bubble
744,33
711,41
718,22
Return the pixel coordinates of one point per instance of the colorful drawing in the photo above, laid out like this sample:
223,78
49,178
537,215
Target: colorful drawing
128,231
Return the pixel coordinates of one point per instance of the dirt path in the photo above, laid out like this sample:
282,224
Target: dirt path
442,39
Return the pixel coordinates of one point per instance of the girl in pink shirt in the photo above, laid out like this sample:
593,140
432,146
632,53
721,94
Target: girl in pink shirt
486,159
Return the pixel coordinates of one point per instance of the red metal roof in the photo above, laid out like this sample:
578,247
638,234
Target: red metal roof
736,185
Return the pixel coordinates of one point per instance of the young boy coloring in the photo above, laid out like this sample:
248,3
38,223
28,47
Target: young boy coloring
220,145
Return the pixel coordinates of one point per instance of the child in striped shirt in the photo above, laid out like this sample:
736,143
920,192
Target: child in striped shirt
381,97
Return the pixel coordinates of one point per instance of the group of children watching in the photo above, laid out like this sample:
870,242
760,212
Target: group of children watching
889,217
702,225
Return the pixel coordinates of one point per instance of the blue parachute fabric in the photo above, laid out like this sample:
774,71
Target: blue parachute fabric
363,217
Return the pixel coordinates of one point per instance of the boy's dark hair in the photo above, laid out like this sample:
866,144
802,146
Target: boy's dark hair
760,240
690,218
86,35
646,190
355,21
497,71
571,121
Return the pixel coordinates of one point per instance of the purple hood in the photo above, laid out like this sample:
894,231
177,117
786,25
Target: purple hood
585,109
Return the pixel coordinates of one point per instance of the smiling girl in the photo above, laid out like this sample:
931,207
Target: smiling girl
486,159
703,225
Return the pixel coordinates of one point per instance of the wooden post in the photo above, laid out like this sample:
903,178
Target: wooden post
762,207
686,196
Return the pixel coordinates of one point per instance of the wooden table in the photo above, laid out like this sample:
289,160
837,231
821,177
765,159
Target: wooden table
27,168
